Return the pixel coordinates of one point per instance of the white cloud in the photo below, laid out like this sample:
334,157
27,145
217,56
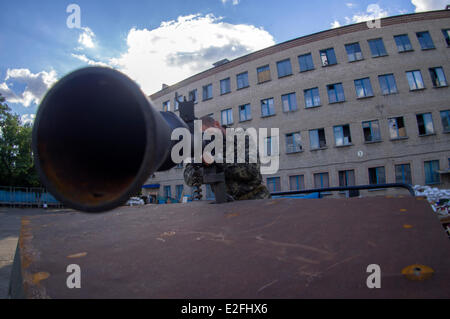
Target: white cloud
373,11
234,2
86,38
28,118
428,5
350,5
36,84
335,24
180,48
85,59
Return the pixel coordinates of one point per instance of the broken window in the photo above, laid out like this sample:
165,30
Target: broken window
371,131
342,135
397,127
317,138
263,74
425,123
328,57
267,107
377,175
438,77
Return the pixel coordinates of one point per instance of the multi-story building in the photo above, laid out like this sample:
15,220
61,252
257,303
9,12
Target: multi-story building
354,105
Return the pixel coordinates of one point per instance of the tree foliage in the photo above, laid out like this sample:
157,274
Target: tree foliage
16,160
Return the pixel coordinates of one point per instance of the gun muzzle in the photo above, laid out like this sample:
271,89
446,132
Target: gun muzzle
97,138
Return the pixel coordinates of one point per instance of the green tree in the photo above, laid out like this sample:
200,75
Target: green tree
16,160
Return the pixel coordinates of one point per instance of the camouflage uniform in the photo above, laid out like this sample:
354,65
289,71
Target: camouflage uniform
243,180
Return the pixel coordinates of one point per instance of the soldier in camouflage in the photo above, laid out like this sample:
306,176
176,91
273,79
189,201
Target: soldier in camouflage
243,180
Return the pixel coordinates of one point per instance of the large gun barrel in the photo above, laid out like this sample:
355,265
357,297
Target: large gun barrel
97,138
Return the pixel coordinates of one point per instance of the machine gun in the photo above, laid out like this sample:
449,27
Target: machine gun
97,138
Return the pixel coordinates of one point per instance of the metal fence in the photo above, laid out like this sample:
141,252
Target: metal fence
27,197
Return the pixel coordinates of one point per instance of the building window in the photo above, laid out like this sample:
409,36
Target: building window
335,93
289,102
178,192
245,113
342,135
446,33
377,175
209,193
387,84
306,62
284,68
397,128
317,139
193,95
293,143
270,146
227,116
166,106
296,182
371,131
207,92
425,40
431,172
425,123
312,97
274,184
177,100
415,80
363,88
403,43
403,174
242,80
438,77
225,86
445,117
321,180
167,192
377,47
328,57
267,107
347,178
263,74
354,52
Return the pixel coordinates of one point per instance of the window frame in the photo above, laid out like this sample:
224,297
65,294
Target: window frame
296,148
426,118
229,116
435,77
312,98
247,111
364,88
208,88
341,129
397,128
309,67
422,44
317,135
445,114
242,83
401,46
227,86
330,54
337,94
353,55
387,83
291,99
380,50
270,106
374,139
288,69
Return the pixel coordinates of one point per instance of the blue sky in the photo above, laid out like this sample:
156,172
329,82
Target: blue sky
157,42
